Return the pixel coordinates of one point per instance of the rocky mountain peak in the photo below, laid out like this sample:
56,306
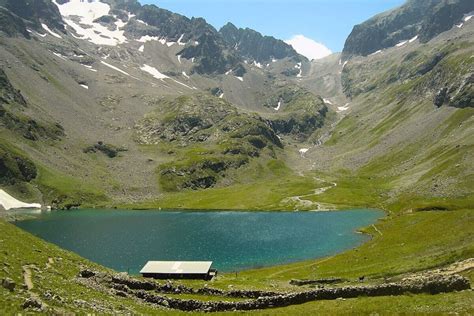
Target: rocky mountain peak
35,12
252,44
422,19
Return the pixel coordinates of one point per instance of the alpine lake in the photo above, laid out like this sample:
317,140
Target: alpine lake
125,240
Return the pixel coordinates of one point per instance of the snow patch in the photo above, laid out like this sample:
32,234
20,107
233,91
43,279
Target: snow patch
303,151
115,68
84,86
148,38
141,48
222,95
59,55
467,18
154,72
87,12
343,108
375,53
180,43
90,68
185,74
33,32
240,78
411,40
401,43
327,101
258,65
278,106
298,66
459,25
179,58
228,72
50,31
9,202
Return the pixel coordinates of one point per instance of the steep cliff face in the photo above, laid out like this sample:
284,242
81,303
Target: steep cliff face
253,45
422,18
35,12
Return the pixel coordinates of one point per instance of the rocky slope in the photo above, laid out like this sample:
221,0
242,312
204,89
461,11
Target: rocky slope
173,105
121,67
423,19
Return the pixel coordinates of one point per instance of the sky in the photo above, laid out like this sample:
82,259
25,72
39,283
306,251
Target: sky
308,23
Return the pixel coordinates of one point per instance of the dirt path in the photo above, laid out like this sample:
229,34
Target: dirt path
454,268
377,230
27,277
301,201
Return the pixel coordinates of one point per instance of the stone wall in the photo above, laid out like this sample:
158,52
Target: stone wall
148,291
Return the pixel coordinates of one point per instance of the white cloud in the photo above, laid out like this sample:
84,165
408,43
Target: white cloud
308,47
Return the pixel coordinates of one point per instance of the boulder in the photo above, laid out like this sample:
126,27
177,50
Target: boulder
9,284
32,303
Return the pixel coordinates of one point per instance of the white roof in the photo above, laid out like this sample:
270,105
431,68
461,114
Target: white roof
177,267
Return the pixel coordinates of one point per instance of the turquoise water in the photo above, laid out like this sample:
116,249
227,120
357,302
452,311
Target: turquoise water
126,240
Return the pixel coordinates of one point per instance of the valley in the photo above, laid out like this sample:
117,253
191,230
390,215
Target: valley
114,104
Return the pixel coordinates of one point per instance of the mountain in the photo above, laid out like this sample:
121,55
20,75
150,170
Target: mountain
174,95
114,104
423,19
117,65
253,45
35,12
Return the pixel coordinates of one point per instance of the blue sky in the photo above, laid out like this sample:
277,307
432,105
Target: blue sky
325,21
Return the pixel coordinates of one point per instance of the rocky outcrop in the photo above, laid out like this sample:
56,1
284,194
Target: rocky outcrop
422,18
8,94
35,12
110,151
11,24
12,104
252,45
463,97
211,55
8,284
15,168
235,139
443,17
441,97
299,112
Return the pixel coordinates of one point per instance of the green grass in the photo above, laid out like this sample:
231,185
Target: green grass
259,195
409,242
68,190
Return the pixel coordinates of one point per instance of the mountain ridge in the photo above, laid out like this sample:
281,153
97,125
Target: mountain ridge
415,18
